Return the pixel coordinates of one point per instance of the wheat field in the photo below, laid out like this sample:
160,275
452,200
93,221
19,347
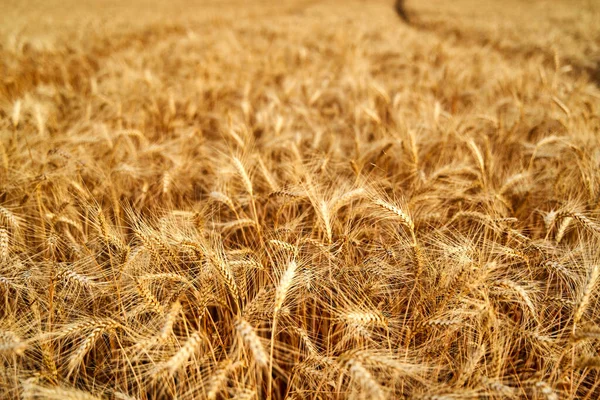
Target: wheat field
299,200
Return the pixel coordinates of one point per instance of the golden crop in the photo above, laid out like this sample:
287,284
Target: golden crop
299,199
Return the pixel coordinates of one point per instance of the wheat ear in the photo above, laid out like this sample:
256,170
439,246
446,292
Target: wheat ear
176,361
249,336
365,379
100,328
586,295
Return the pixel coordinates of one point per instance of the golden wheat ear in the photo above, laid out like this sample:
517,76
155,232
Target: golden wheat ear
189,347
253,342
93,332
364,378
219,377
